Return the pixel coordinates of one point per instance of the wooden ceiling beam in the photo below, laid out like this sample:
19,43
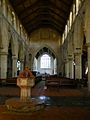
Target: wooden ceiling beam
42,26
31,7
15,2
46,23
39,10
66,2
60,3
44,17
60,7
43,6
50,13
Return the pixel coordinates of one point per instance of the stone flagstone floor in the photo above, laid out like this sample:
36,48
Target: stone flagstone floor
61,104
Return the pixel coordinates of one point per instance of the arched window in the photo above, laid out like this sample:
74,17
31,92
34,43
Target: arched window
45,61
18,65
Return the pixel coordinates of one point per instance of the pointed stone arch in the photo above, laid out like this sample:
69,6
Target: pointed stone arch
4,36
13,40
47,49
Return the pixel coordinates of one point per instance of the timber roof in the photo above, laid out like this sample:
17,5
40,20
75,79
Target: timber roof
36,14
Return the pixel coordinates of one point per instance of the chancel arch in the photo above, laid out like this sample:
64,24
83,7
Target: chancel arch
49,59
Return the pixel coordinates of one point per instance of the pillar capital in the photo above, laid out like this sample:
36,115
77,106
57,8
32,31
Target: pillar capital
78,51
64,60
14,57
3,53
1,47
0,13
22,60
70,57
88,44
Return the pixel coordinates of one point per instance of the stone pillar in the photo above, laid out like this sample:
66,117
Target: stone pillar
88,48
71,68
78,66
87,34
4,8
0,65
52,64
27,58
67,69
3,62
34,64
9,14
14,65
22,64
55,66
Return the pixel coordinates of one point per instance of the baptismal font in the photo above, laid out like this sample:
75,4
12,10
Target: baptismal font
25,103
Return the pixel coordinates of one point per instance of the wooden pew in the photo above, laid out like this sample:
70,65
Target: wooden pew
67,82
59,81
8,81
52,81
11,81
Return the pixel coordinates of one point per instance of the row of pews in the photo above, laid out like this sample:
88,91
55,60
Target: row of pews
8,81
52,80
13,81
59,81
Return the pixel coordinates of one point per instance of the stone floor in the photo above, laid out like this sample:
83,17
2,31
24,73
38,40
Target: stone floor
63,103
